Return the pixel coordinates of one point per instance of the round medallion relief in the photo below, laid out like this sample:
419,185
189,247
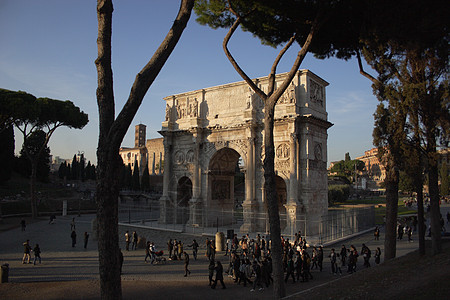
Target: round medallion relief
282,151
318,152
179,157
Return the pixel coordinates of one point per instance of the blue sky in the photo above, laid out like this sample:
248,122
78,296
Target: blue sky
48,49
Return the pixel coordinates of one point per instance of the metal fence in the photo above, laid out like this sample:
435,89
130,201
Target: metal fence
337,224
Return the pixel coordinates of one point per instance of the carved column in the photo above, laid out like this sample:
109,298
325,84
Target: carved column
250,206
293,184
165,200
195,201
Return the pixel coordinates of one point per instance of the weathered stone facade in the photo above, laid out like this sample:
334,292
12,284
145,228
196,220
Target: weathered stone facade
207,131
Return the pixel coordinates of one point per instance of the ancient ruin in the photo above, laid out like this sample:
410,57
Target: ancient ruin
212,134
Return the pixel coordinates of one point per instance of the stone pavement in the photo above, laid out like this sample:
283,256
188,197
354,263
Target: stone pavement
61,262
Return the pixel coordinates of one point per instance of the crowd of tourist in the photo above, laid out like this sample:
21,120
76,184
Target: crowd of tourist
249,260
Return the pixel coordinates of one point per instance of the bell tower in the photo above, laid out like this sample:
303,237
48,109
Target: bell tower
139,136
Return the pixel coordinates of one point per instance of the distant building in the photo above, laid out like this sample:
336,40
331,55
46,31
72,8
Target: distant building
55,162
374,169
144,152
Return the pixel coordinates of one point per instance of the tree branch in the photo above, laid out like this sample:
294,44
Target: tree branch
273,71
300,56
233,62
148,74
364,73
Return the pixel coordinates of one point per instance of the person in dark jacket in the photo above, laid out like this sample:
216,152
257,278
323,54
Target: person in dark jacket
194,246
211,272
170,248
219,275
74,238
37,254
290,270
186,264
320,258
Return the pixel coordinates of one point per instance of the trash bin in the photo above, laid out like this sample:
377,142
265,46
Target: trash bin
4,273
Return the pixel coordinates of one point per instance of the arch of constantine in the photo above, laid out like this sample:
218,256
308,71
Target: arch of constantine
212,133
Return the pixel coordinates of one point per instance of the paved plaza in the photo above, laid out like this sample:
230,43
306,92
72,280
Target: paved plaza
61,262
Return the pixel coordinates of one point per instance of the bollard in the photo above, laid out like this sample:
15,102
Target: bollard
4,273
220,241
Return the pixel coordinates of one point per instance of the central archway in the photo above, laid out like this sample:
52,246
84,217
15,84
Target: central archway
225,184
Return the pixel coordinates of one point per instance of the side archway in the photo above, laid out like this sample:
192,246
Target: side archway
184,194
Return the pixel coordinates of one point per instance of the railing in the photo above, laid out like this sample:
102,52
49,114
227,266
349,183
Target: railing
338,223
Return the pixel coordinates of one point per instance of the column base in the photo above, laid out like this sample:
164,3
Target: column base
252,218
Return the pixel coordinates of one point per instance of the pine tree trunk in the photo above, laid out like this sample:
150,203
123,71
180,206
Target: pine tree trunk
107,226
420,219
34,210
272,204
436,241
391,183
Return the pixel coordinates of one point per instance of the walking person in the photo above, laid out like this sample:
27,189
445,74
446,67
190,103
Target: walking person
186,264
257,281
366,255
343,255
376,233
26,252
23,224
377,255
37,254
73,236
290,270
194,246
180,250
219,276
86,239
314,259
127,241
211,268
147,251
244,272
170,248
152,250
332,257
409,233
320,258
306,267
72,224
134,241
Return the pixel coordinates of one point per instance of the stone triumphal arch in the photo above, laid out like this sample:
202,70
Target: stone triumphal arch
212,133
